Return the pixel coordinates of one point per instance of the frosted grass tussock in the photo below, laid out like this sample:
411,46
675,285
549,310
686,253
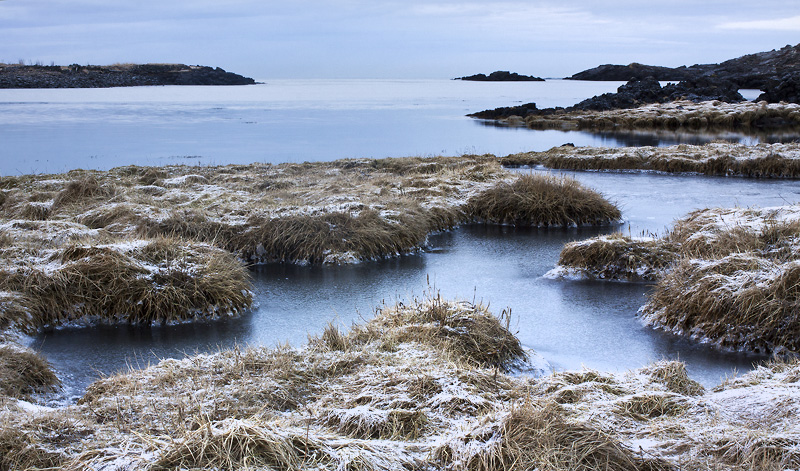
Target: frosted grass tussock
615,257
111,280
722,159
728,276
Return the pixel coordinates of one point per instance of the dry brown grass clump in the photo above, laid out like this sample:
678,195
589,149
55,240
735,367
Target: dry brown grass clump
137,282
721,159
619,257
18,452
88,186
15,315
538,435
237,444
738,280
365,423
731,276
673,376
542,200
467,332
323,238
24,372
737,301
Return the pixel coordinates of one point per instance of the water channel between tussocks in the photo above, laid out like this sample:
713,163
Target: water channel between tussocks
569,323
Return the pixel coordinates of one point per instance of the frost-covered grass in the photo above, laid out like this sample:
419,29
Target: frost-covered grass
543,200
616,257
158,245
679,114
23,372
302,213
401,392
145,245
728,276
723,159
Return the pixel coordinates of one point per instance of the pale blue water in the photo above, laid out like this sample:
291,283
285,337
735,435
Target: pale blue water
55,130
570,323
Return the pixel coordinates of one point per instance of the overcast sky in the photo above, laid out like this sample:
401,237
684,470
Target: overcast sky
393,39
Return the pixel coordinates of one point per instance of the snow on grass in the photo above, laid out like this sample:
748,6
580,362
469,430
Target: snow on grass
727,276
716,158
382,398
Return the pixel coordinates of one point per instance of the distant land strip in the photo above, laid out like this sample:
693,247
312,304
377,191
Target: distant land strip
116,75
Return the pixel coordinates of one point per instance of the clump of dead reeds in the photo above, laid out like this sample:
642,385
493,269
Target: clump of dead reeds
332,339
538,435
619,257
673,375
24,372
325,238
366,423
236,444
107,284
738,301
468,332
14,314
88,186
651,405
20,452
542,200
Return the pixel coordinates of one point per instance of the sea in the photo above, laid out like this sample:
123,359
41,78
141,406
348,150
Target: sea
56,130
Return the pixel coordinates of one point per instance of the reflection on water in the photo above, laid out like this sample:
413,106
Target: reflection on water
571,323
660,137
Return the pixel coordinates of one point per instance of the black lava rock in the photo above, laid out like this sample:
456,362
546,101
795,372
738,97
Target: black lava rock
787,89
126,75
502,76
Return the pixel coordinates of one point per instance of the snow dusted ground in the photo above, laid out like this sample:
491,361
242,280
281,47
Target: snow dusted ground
396,392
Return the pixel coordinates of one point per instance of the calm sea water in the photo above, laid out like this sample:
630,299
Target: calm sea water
52,131
570,323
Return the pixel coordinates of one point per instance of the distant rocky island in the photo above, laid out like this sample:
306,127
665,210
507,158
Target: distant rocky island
776,73
117,75
501,76
750,71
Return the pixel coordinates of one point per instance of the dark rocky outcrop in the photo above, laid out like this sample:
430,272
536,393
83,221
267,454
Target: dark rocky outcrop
632,94
787,89
501,76
749,71
125,75
634,71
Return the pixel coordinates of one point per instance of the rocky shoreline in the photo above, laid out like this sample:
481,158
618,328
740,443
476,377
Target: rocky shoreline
749,71
775,73
631,95
501,76
117,75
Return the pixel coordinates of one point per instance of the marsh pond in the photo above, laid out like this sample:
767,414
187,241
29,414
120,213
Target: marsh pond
569,323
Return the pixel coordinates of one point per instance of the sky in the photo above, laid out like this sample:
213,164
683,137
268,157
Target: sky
393,39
